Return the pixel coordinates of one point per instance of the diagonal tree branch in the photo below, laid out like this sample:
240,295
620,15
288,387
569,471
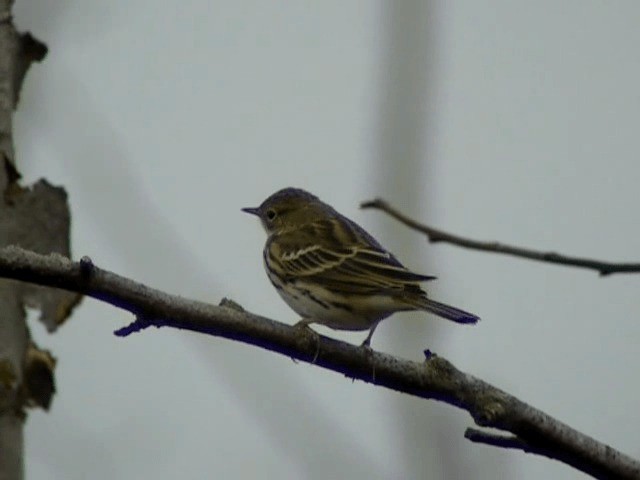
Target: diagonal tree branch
435,378
434,235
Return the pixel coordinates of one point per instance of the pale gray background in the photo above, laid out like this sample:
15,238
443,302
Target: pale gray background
504,120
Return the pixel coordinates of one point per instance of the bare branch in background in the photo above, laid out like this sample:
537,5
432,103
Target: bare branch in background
434,235
435,378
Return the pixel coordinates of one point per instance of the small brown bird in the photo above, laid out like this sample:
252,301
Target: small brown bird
331,271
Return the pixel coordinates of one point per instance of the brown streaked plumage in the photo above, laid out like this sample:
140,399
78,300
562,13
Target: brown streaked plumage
331,271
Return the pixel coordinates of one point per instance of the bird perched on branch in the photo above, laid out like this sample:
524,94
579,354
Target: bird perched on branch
332,272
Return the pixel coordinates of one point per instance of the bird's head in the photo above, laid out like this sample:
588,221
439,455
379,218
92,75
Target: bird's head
288,209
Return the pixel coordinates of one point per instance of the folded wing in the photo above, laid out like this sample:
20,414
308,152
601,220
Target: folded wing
355,269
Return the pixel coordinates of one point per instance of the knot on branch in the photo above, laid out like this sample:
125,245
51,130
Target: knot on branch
490,413
86,267
228,303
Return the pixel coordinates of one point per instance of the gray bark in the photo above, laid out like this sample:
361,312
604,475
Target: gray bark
36,218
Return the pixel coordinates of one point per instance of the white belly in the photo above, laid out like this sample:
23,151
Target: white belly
338,312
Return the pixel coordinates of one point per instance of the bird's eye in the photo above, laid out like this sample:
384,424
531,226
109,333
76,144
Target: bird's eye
271,214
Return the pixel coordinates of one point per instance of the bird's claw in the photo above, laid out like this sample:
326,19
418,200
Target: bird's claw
303,326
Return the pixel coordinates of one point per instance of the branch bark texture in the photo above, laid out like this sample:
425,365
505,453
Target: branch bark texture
434,235
435,378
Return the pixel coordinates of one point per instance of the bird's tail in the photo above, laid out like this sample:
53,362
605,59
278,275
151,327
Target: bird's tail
448,312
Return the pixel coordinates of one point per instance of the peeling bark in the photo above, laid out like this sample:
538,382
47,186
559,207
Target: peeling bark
38,218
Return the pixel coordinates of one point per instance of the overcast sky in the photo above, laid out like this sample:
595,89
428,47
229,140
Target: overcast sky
504,121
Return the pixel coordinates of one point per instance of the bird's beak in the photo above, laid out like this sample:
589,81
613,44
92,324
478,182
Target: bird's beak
252,210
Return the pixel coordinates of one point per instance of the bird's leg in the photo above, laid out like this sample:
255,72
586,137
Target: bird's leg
304,324
366,345
367,341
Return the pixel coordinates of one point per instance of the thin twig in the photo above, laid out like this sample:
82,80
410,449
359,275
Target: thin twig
496,439
434,235
510,442
435,378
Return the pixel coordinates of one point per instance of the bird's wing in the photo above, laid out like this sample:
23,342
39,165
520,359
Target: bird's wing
362,267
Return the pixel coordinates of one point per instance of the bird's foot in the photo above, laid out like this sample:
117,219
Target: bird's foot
303,323
303,327
368,351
